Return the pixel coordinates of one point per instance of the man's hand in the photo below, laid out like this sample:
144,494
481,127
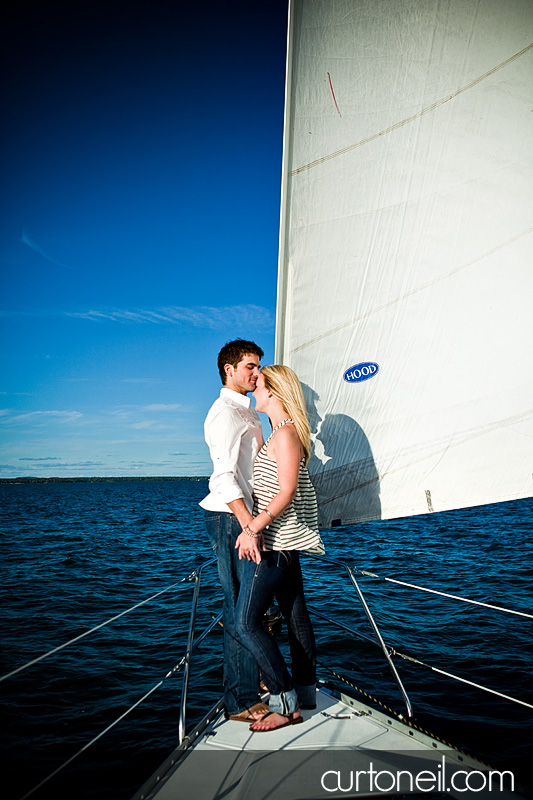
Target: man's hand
250,547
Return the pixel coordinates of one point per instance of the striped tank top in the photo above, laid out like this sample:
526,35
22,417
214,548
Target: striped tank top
297,527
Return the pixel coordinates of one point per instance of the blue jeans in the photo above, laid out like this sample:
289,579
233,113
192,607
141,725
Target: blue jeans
241,675
279,575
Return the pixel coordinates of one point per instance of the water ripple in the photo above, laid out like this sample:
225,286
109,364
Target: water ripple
77,554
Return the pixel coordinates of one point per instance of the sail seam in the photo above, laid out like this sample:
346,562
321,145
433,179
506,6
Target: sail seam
421,288
418,115
502,423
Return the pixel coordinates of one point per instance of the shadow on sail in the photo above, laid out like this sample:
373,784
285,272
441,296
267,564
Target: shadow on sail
342,468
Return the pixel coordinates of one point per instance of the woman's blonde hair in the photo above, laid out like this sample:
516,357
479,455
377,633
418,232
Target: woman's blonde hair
284,384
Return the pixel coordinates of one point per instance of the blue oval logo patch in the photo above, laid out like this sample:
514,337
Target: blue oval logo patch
361,372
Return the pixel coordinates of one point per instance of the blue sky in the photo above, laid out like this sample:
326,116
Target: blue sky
139,225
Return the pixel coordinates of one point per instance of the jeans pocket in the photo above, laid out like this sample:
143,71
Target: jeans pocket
283,559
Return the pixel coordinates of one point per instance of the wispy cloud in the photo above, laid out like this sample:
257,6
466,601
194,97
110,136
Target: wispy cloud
70,464
153,418
128,412
47,458
242,317
36,416
25,239
45,465
163,407
82,464
199,317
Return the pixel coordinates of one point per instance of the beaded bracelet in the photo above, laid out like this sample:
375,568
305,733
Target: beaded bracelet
248,532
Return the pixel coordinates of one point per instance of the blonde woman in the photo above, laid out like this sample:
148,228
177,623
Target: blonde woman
285,521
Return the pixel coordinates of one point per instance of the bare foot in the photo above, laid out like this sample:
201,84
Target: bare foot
273,721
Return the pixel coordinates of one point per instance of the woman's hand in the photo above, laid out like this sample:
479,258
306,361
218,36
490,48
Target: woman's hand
250,547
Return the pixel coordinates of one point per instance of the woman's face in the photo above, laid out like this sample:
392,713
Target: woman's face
261,394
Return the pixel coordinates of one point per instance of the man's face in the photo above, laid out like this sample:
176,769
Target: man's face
261,394
243,377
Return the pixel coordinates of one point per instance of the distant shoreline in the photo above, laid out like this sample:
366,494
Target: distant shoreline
102,480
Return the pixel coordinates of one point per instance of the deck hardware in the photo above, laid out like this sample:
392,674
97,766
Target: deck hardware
341,715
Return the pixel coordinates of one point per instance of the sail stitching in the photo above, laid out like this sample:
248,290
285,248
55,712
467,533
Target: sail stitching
418,115
333,95
414,291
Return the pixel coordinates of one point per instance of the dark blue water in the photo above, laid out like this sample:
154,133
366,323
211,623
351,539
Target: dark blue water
75,554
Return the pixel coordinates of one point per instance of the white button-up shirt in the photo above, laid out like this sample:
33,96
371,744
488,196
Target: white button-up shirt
234,436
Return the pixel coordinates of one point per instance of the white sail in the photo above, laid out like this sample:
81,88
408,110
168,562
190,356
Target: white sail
406,250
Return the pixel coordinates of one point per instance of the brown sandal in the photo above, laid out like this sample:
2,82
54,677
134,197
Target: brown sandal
252,714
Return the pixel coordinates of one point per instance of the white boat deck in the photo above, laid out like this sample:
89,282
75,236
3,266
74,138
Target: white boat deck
332,724
321,758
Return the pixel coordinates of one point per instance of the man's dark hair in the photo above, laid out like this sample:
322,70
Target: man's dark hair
233,352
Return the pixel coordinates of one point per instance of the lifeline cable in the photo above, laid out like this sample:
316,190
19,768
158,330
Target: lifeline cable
92,630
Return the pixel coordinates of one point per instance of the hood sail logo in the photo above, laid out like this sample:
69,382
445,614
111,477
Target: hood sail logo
361,372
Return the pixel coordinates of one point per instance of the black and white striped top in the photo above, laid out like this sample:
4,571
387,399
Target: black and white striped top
297,527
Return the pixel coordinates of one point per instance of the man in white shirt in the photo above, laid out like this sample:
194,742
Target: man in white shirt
234,436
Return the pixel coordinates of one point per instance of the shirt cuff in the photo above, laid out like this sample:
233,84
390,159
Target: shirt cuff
225,487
